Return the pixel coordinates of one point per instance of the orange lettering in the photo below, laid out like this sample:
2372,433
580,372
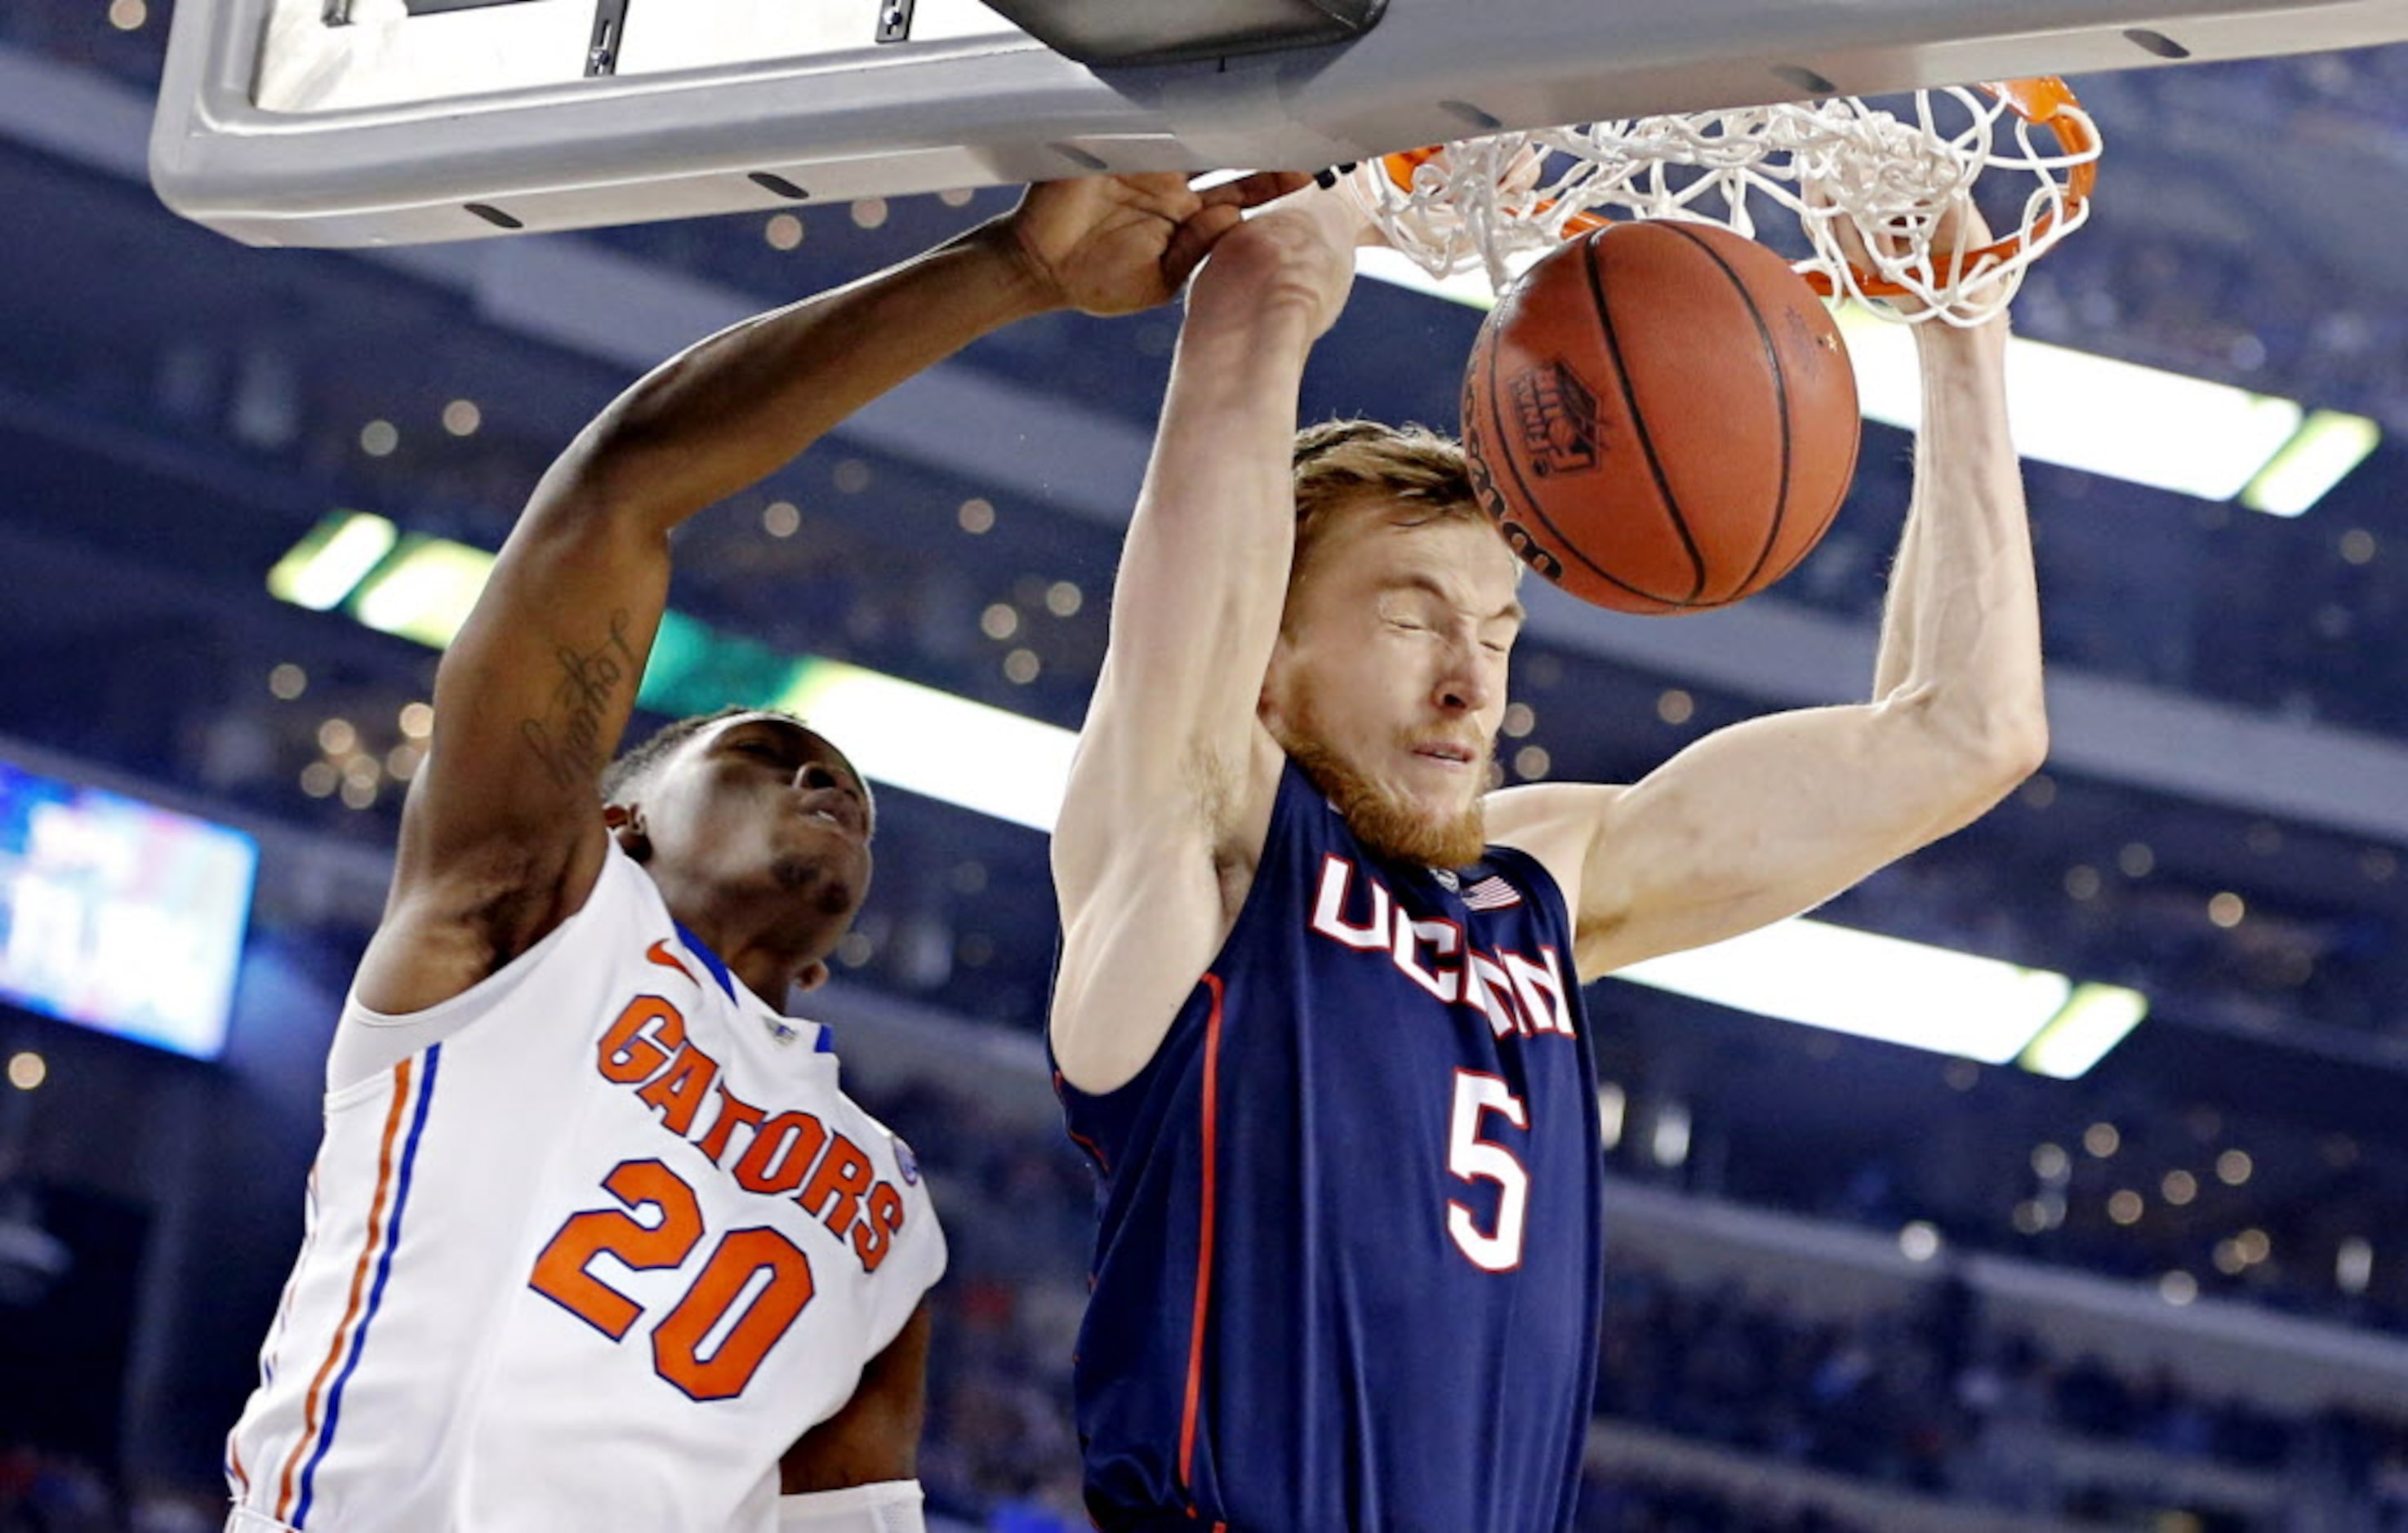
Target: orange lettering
677,1091
874,1236
743,1256
845,1174
626,1055
781,1152
560,1273
732,1110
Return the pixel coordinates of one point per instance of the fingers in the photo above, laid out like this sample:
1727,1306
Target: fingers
1255,189
1529,165
1867,247
1851,242
1970,231
1194,239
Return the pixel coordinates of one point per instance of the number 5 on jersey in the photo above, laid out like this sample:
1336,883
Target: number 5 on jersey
732,1276
1472,1158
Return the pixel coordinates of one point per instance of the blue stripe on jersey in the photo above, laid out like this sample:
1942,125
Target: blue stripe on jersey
1348,1274
825,1043
710,960
376,1293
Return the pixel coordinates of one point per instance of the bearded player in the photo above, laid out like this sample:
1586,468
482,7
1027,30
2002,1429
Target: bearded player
1318,1018
596,1241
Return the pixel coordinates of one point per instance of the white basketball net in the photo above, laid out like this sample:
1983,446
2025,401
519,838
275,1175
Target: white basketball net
1494,203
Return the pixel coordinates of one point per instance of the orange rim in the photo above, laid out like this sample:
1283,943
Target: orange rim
2043,99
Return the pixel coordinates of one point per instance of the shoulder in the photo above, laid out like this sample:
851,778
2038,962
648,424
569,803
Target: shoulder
454,919
531,989
1558,825
1507,877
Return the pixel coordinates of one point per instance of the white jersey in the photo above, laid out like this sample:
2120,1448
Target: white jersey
589,1247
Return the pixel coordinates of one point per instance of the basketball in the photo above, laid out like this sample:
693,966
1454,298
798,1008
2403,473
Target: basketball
1661,416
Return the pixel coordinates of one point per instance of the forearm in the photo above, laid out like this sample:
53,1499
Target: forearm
1960,639
535,690
1899,612
1163,784
1203,574
1204,570
1215,518
732,409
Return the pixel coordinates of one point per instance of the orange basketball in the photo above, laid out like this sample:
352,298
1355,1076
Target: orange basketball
1661,416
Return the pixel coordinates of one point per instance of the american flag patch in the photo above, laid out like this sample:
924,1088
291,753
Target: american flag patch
1492,894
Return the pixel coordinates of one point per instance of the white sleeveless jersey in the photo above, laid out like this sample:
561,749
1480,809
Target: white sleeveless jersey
592,1258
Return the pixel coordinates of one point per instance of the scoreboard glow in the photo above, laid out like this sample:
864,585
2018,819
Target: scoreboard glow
119,915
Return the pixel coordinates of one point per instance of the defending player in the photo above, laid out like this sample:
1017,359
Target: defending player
596,1241
1318,1017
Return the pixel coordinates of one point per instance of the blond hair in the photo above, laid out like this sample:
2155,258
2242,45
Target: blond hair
1342,464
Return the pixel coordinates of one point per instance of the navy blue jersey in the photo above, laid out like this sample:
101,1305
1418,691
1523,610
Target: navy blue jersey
1348,1272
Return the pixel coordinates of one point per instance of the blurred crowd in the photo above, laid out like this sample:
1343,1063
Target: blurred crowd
1934,1402
1938,1402
1928,1405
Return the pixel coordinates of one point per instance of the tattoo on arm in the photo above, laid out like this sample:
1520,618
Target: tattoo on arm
567,741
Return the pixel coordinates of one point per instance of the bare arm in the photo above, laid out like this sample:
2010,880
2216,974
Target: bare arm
501,838
1771,817
876,1436
1169,794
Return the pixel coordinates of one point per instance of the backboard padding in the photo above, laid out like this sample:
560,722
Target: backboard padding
968,101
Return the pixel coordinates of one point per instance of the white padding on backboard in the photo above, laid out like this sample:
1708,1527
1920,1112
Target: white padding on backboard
384,56
471,124
710,32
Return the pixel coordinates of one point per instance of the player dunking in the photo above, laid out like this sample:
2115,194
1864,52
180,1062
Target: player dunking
596,1241
1318,1018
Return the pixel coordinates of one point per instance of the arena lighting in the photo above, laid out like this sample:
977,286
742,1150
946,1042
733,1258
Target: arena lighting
2172,433
1668,1141
324,568
2094,414
2354,1265
1003,763
422,589
936,744
899,733
1613,1113
2094,1018
1467,288
1868,985
909,736
2319,457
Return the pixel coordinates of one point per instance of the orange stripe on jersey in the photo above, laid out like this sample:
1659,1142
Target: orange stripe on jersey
1203,1246
359,1286
1094,1151
276,1339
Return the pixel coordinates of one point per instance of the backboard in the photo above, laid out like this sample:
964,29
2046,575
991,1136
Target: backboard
347,122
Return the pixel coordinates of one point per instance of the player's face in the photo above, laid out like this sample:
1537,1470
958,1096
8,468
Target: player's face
1388,681
760,807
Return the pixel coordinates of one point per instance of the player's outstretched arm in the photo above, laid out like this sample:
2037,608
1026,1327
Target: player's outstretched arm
1771,817
1170,791
501,838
